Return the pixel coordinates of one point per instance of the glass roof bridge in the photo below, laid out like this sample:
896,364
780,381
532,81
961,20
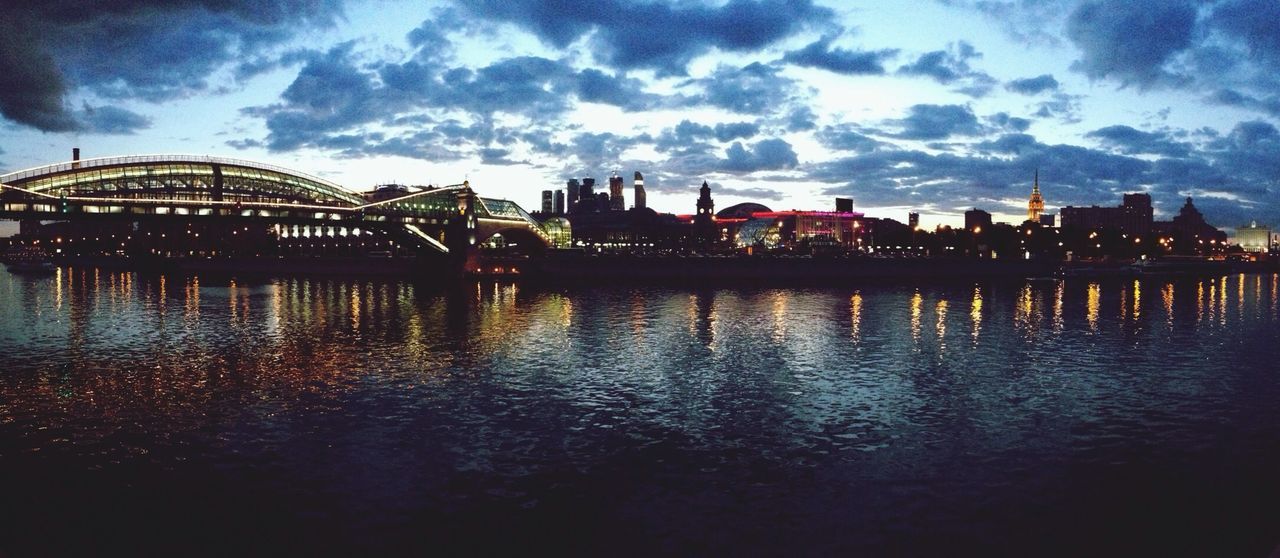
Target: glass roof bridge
195,188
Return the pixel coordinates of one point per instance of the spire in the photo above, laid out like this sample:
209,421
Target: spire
1036,188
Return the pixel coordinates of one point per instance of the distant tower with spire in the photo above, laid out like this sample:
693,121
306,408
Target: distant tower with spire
1036,205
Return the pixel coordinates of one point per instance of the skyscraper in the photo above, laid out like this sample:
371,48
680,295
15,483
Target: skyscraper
559,203
639,193
913,219
571,194
1035,206
616,201
547,206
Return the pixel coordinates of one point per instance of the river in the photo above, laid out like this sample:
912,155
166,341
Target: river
207,415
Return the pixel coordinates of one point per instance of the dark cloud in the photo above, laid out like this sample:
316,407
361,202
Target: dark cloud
1230,97
801,119
935,122
663,36
1011,123
1131,141
151,50
1131,40
752,89
111,120
770,154
820,54
1253,22
952,67
1238,167
1033,86
1064,107
846,137
749,193
1025,21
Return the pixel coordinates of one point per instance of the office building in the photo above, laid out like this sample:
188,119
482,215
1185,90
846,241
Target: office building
975,220
548,203
640,202
616,201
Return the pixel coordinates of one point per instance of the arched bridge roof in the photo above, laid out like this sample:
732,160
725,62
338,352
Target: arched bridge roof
143,173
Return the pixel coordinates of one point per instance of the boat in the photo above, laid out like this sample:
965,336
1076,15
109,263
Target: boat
1185,265
25,258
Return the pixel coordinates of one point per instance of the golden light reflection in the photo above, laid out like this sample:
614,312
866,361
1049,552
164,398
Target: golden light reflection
1092,305
1222,300
355,308
1240,295
1022,312
975,313
1200,297
57,288
164,294
1058,292
780,300
1166,295
941,310
917,304
855,317
192,294
1137,299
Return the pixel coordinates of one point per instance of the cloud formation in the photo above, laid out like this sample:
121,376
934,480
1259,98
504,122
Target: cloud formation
662,36
150,50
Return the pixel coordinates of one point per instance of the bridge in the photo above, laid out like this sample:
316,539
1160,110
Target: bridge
163,191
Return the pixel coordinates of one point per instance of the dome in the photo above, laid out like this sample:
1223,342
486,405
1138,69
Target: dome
742,210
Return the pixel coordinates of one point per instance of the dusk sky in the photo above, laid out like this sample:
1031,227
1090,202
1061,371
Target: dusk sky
929,106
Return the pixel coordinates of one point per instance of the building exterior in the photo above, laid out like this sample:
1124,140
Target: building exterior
558,208
616,201
572,191
1134,216
771,230
640,202
548,203
1047,219
913,220
1253,238
976,219
844,205
1035,206
704,219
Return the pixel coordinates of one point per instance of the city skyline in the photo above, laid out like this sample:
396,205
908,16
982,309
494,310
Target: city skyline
786,103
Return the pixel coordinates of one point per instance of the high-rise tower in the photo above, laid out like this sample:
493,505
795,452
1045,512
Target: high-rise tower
548,198
559,203
616,201
639,194
1036,205
572,190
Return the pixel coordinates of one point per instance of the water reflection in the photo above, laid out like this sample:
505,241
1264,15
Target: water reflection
975,313
494,391
1093,305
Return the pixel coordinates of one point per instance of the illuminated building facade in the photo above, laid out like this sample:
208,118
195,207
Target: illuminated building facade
1254,238
169,206
1035,206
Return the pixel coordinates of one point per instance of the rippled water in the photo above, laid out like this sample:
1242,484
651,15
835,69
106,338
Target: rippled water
202,415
